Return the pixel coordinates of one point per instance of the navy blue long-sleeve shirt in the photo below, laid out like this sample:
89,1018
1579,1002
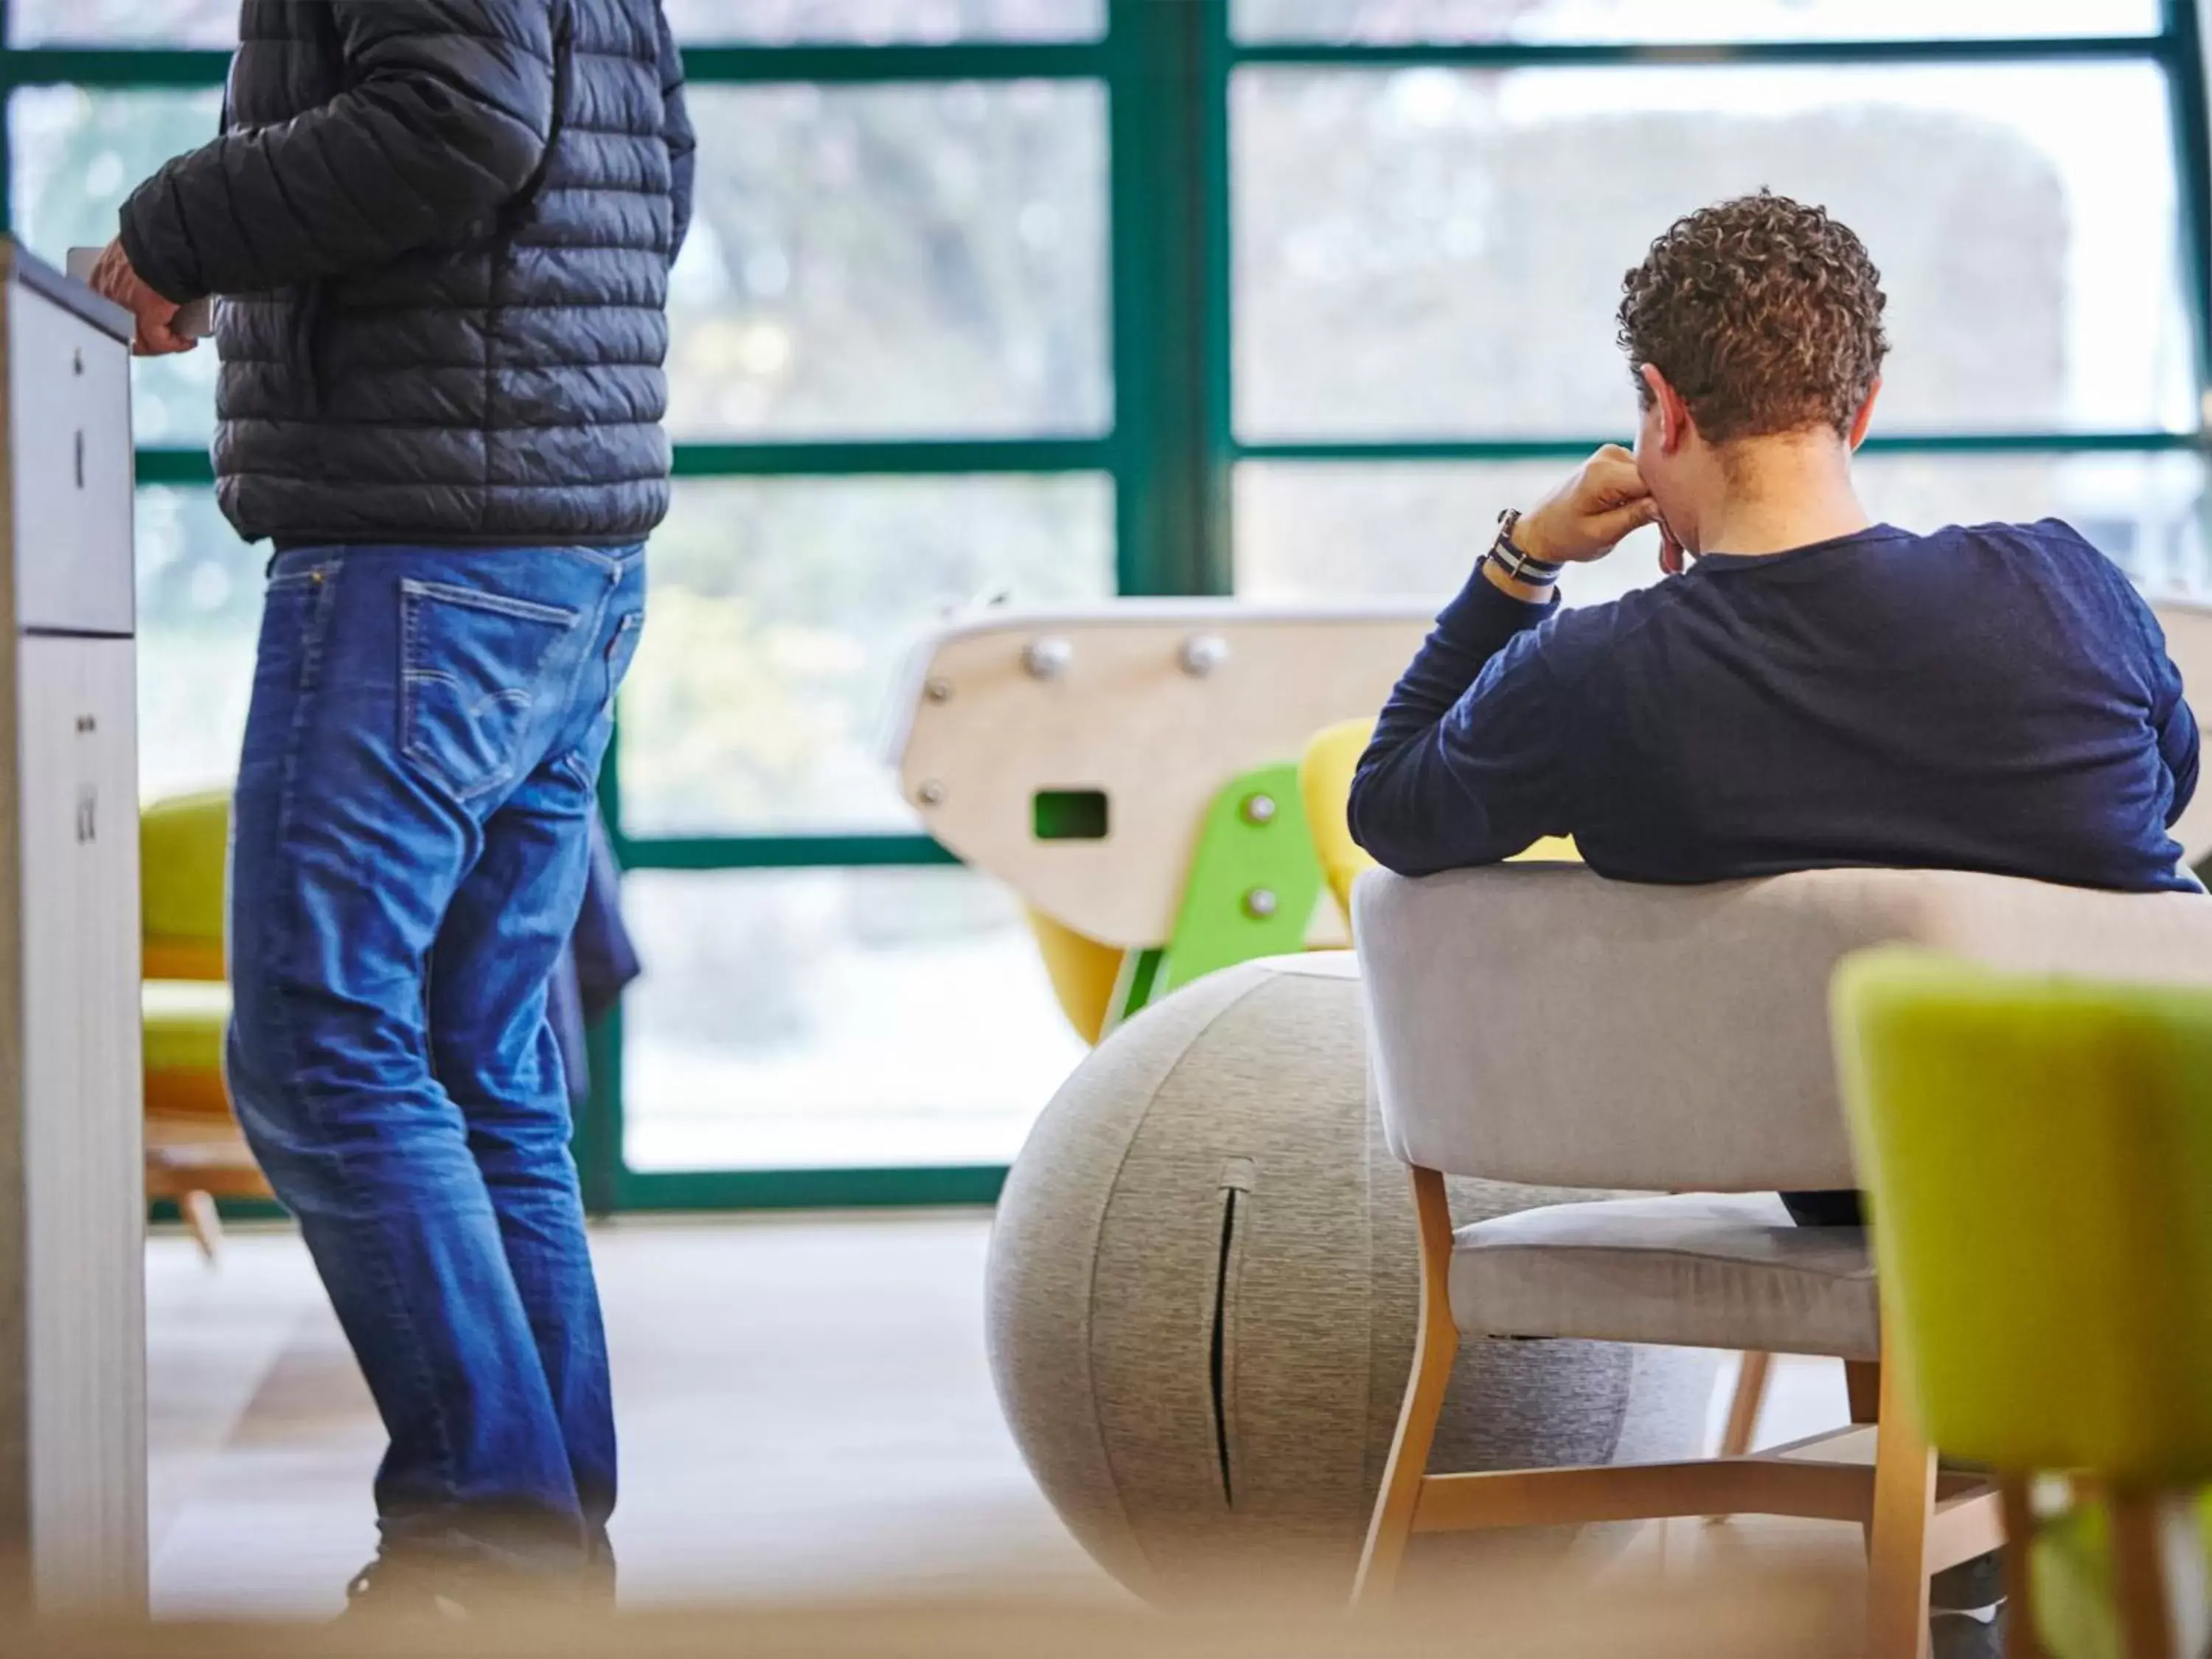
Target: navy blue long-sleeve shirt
1993,697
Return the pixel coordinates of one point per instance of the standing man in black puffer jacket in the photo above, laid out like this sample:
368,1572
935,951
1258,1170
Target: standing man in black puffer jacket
442,231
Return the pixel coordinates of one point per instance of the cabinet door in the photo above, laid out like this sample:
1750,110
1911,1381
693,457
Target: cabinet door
69,435
84,1172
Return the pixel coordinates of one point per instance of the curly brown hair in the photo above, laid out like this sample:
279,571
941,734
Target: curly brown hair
1765,313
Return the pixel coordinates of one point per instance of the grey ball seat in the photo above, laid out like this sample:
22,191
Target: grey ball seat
1202,1299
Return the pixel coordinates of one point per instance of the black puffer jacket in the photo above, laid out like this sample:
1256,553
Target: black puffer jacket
442,230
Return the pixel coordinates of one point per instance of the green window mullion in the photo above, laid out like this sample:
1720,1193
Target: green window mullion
172,465
1169,164
1904,443
932,1186
842,457
1509,55
847,65
2192,141
780,852
119,68
115,68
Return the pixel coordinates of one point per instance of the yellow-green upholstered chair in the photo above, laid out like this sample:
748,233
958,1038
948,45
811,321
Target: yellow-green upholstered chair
195,1153
2038,1154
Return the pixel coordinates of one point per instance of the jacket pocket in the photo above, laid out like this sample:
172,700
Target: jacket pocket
476,668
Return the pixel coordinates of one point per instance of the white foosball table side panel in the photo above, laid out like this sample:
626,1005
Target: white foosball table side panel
1156,704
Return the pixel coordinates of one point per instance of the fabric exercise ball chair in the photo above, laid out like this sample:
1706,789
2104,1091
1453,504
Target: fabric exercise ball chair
1202,1291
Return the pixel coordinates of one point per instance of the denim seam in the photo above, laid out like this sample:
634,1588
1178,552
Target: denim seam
613,561
310,664
477,599
570,759
591,658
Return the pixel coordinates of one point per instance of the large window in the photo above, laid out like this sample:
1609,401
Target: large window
1433,201
1062,298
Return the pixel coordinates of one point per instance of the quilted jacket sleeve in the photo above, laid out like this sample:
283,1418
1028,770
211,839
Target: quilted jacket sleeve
681,142
446,116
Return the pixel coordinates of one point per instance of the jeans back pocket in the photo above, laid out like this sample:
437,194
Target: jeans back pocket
476,667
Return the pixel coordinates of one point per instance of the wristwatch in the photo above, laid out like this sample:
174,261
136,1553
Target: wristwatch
1520,565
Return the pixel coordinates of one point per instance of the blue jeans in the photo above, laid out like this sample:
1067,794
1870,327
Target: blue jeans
408,853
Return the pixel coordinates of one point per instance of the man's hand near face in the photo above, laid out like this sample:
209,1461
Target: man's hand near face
1582,520
157,335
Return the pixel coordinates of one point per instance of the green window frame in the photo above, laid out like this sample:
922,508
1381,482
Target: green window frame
1170,450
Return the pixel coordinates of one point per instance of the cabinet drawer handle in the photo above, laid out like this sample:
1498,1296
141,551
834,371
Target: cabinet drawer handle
80,458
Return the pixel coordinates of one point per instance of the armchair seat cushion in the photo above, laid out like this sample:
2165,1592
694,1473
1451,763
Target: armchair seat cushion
1696,1270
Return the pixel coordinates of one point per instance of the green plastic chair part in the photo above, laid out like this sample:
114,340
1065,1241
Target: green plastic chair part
1255,881
1255,878
2038,1153
184,846
1136,985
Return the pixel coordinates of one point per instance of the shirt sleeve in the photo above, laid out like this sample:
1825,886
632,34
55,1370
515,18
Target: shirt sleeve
2177,735
2171,717
1464,768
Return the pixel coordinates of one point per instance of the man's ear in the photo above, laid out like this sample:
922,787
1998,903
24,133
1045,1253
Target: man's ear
1673,413
1864,418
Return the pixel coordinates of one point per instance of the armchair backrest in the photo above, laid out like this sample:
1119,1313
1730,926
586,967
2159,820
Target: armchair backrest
1540,1023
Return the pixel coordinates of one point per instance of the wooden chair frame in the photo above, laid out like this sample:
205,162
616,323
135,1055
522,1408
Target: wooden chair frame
1917,1519
195,1169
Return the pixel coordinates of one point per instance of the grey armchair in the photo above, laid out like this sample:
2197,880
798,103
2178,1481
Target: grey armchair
1539,1024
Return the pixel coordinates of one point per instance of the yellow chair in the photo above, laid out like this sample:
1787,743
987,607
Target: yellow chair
2038,1154
1084,973
195,1153
1325,779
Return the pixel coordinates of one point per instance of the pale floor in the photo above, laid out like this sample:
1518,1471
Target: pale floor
806,1407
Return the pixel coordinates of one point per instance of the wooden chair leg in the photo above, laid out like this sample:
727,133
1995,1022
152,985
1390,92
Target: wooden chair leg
1436,1345
1743,1410
2022,1640
202,1221
1862,1385
1904,1507
2139,1575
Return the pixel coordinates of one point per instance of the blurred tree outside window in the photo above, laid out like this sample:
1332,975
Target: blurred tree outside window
895,261
1438,253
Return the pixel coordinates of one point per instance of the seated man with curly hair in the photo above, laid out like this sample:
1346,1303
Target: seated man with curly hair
1807,689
